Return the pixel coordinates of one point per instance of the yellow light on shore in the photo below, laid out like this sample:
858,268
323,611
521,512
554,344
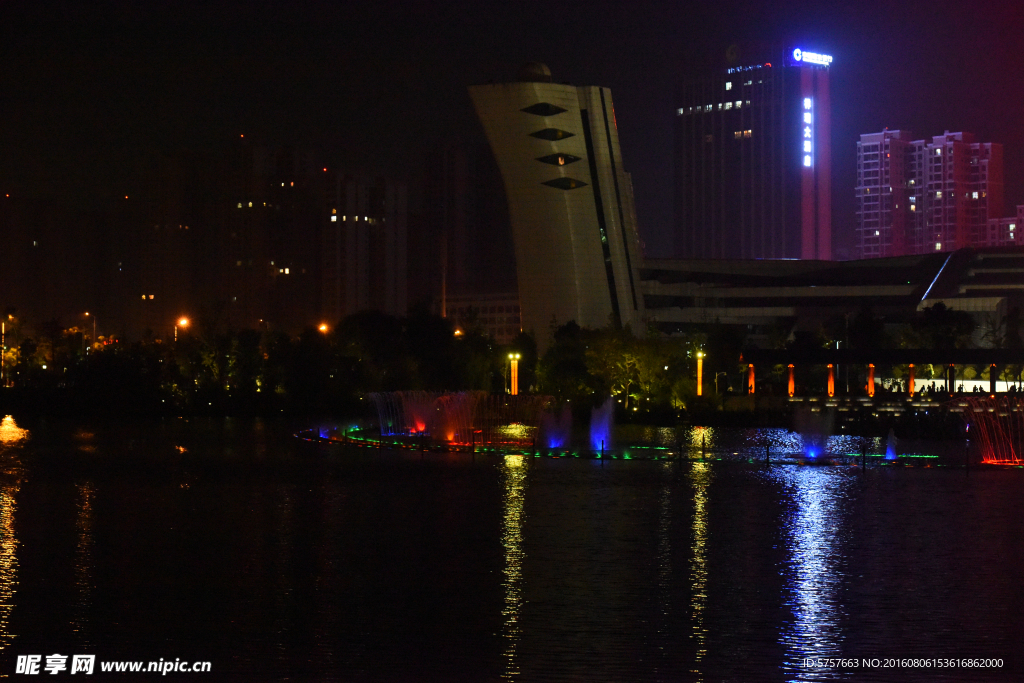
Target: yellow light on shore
700,373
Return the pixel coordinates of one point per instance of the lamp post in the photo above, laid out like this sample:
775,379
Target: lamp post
717,375
93,316
514,379
700,374
182,323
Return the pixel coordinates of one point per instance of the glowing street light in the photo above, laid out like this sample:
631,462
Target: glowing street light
323,328
700,373
182,323
514,360
87,315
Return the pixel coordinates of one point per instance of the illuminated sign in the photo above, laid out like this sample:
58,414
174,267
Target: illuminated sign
808,138
811,57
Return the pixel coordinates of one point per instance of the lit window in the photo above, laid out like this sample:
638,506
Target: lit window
334,219
938,194
974,195
807,103
334,211
747,133
877,233
286,271
150,296
238,263
239,205
1012,226
293,184
728,85
737,135
728,105
938,246
807,160
913,207
938,151
680,112
807,117
739,103
807,145
719,106
250,205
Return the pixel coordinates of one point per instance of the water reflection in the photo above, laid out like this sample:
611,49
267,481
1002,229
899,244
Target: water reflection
8,562
10,432
815,526
83,561
11,438
513,470
664,557
700,478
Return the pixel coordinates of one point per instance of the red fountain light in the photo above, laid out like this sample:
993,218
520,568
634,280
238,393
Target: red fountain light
997,424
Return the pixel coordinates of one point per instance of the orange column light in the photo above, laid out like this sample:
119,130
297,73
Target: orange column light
750,378
831,381
700,373
871,379
792,385
910,384
514,358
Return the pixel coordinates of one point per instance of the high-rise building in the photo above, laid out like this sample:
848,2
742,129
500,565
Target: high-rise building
569,199
364,249
753,160
920,196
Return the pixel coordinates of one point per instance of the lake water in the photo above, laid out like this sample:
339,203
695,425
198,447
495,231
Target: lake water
231,542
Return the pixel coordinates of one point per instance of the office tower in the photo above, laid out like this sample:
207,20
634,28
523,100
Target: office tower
753,160
569,199
920,196
364,249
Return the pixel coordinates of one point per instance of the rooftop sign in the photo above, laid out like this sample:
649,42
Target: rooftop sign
811,57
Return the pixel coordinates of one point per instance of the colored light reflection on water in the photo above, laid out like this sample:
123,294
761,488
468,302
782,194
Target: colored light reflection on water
814,527
8,563
513,473
700,479
10,432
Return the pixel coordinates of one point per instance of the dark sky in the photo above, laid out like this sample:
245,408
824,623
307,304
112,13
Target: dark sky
90,97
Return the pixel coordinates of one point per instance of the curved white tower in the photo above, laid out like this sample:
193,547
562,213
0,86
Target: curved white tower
570,201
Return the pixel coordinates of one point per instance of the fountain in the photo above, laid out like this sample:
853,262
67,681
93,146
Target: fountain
555,431
890,445
815,427
997,424
601,420
460,418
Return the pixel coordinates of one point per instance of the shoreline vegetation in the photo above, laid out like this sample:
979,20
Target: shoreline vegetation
329,372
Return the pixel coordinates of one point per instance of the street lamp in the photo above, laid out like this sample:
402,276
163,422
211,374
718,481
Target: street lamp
514,360
323,328
182,323
93,328
717,375
700,373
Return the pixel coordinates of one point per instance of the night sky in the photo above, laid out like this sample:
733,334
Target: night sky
90,99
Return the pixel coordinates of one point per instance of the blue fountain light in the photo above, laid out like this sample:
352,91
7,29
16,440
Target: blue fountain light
601,426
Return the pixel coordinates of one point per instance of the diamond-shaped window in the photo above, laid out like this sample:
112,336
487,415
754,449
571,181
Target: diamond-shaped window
559,159
552,134
565,183
543,109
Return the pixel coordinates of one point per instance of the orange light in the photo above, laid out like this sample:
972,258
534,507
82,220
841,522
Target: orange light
831,381
792,384
323,327
183,322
